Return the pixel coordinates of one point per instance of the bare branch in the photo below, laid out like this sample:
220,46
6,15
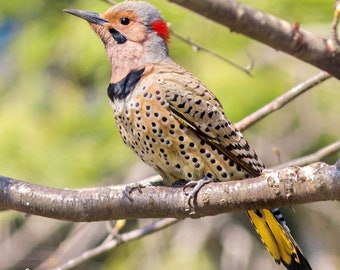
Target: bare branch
282,100
198,47
293,185
83,236
318,155
120,239
335,23
270,30
111,2
18,249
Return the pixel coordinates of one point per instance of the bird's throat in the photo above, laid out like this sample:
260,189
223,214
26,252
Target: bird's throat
123,88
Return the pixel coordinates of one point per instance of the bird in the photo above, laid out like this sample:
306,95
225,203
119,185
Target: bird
173,122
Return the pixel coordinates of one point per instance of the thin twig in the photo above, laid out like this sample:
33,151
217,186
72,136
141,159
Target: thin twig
282,100
111,2
122,238
197,47
335,23
317,156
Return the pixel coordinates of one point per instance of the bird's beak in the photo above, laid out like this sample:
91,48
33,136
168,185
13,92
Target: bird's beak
89,16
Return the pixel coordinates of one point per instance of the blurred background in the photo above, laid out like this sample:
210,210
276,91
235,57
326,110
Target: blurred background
57,129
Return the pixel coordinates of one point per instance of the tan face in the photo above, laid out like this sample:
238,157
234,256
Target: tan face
127,24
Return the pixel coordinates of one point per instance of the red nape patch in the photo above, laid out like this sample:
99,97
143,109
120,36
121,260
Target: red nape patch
161,29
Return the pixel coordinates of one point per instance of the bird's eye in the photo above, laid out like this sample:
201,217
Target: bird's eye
125,21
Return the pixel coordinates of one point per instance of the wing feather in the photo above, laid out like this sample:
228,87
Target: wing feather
197,109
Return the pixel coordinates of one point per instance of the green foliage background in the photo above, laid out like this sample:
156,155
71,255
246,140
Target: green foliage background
56,126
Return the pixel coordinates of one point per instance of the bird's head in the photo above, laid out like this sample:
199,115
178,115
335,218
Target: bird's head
134,30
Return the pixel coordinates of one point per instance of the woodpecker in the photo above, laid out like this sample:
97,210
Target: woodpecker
172,121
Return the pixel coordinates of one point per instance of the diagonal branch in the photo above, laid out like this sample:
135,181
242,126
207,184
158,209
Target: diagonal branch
335,23
120,239
282,100
196,47
270,30
292,185
318,155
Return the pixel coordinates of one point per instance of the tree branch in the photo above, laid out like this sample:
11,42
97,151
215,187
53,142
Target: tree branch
197,47
282,100
318,155
270,30
335,23
116,241
293,185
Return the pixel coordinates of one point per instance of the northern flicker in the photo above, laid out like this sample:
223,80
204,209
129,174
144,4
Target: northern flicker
172,121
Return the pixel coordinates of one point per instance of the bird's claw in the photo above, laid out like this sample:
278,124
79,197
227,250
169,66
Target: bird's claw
129,188
139,185
196,185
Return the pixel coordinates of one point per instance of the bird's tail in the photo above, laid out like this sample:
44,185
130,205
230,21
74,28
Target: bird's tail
275,234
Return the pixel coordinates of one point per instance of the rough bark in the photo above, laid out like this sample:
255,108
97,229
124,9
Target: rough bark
292,185
270,30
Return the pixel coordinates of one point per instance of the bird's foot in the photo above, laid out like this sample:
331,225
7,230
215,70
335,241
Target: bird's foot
139,185
196,185
129,188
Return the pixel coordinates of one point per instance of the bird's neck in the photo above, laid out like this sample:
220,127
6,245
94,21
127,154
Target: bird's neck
129,56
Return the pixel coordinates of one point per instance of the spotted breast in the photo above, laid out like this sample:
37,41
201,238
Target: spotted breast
182,134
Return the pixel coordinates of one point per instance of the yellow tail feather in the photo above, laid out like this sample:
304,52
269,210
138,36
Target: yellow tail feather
278,240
